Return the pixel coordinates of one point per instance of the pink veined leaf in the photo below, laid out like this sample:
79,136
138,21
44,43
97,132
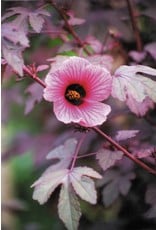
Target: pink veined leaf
140,108
36,92
127,81
82,183
78,177
16,33
13,55
15,11
36,21
137,56
125,134
69,207
108,158
47,183
151,49
64,153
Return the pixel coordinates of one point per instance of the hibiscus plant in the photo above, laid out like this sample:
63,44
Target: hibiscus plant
92,97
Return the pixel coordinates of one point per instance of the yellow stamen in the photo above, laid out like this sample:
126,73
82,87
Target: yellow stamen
72,94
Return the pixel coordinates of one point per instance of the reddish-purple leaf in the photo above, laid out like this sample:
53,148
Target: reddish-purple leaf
137,56
145,152
151,49
125,134
110,193
125,183
140,108
115,184
64,153
36,21
36,92
127,81
108,158
16,31
13,55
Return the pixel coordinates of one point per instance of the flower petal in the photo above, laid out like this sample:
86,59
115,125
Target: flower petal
94,113
89,114
96,80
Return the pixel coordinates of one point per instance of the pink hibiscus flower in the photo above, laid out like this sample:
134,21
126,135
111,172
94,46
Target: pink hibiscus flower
77,88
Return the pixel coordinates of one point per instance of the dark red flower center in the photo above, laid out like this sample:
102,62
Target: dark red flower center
75,94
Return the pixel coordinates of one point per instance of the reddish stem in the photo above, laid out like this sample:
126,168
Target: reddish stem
33,75
128,154
134,25
77,151
62,13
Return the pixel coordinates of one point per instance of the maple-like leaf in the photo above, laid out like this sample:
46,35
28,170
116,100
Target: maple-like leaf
36,92
125,134
127,81
47,183
69,207
64,153
140,108
115,184
35,18
13,55
82,183
16,31
36,21
108,158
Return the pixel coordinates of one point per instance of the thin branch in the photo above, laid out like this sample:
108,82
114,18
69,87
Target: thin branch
33,75
134,25
128,154
77,151
62,13
86,155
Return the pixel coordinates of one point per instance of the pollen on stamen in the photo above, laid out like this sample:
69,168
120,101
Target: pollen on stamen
72,94
75,94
